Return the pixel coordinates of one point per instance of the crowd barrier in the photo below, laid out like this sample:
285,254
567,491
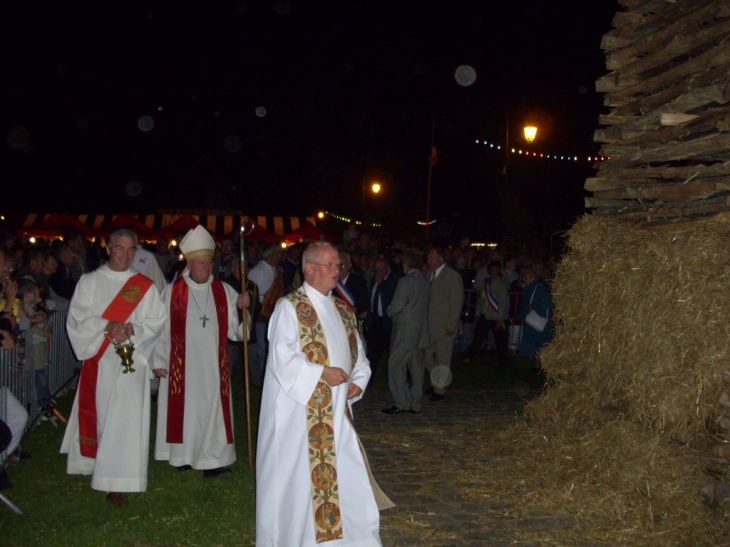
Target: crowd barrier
18,370
468,318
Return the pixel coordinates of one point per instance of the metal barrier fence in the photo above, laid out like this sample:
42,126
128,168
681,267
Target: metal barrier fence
468,318
26,367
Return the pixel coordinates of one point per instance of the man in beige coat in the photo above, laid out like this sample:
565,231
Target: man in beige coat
410,340
447,298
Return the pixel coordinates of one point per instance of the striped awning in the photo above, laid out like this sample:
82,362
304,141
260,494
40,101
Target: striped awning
219,223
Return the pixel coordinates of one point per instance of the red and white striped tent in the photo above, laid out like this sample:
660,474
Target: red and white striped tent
217,222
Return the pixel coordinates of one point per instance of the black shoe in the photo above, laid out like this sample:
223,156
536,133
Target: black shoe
436,397
184,468
428,392
414,411
217,473
395,410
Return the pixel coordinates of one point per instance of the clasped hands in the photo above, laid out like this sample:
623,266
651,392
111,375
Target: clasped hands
119,332
335,376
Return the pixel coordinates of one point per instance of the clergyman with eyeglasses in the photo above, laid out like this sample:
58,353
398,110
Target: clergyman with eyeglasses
311,477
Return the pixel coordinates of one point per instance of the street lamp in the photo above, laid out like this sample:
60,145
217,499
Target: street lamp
530,133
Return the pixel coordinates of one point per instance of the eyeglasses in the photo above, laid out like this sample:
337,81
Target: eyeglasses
331,265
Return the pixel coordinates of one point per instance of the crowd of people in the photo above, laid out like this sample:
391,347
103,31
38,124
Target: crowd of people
183,310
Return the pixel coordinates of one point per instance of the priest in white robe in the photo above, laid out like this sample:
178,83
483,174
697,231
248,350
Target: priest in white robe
312,484
194,403
108,430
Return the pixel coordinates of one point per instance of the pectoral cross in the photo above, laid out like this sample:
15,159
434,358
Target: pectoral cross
204,319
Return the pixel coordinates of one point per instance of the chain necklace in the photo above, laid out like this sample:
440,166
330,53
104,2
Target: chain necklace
204,318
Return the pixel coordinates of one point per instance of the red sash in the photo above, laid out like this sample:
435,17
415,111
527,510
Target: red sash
119,310
176,374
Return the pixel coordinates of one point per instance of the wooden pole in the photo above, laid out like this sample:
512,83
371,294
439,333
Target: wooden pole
506,161
430,169
246,386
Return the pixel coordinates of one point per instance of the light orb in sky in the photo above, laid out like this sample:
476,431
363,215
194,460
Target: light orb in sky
133,188
146,123
465,75
232,143
261,111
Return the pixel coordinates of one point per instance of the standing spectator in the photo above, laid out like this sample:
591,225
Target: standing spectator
63,282
228,259
513,310
535,296
409,312
378,325
290,266
355,287
491,317
510,273
447,298
465,271
269,280
32,268
164,256
75,241
108,431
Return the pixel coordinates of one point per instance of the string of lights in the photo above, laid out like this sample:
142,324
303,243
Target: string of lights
349,220
534,154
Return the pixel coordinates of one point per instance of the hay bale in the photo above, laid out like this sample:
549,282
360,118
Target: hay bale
643,318
638,375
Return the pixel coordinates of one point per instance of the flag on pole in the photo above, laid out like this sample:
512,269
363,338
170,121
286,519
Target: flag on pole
434,158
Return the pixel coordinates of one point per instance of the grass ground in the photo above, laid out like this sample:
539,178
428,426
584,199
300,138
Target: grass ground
178,509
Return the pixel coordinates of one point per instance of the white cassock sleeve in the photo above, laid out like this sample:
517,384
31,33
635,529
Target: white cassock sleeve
84,323
287,364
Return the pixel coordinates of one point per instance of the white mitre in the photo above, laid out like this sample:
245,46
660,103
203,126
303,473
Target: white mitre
197,243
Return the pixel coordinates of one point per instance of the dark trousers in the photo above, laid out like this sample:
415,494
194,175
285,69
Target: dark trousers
501,339
378,342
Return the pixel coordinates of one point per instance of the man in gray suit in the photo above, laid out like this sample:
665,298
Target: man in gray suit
410,340
447,297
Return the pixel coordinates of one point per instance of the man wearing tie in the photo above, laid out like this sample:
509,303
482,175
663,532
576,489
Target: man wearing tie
447,298
378,325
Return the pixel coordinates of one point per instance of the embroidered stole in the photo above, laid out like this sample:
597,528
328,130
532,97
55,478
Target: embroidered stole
176,372
119,310
320,418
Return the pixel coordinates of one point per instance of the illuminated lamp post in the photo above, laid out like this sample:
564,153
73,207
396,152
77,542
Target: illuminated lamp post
530,133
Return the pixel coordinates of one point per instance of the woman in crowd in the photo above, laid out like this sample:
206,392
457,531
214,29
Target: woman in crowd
535,297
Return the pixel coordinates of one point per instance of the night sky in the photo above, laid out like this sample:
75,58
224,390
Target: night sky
286,108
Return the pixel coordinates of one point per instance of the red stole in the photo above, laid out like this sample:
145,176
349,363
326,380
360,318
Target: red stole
176,373
119,310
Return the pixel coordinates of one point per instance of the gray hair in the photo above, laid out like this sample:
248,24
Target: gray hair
311,253
123,232
269,250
